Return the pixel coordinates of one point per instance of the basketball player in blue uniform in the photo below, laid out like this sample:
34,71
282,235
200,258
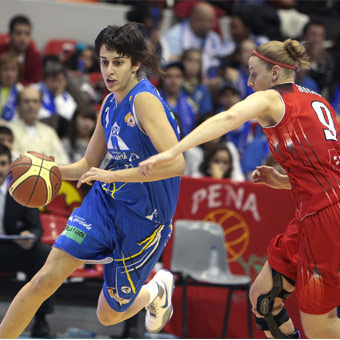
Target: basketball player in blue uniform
125,220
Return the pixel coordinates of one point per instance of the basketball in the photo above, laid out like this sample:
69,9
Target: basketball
33,179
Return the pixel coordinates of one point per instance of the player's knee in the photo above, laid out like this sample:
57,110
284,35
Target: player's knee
253,295
43,284
108,319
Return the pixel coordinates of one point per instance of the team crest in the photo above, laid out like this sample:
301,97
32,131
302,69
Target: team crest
130,121
334,158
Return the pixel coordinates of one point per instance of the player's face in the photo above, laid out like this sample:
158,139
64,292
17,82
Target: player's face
21,37
4,165
118,73
260,78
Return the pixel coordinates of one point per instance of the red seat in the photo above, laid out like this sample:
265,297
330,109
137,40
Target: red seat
60,47
3,38
53,226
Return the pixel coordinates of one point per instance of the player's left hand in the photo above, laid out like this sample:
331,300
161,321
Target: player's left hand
95,174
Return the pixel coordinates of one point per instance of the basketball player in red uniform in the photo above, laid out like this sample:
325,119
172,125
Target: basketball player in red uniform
303,134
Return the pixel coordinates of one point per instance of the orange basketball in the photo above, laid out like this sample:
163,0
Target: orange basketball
33,179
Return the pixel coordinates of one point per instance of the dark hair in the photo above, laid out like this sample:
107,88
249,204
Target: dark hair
53,68
4,150
127,40
312,23
82,111
209,153
17,20
5,130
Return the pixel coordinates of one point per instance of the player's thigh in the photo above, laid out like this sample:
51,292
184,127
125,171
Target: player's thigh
314,325
58,266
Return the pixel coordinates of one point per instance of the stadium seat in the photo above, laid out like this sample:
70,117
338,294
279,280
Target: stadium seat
3,38
193,263
53,226
60,47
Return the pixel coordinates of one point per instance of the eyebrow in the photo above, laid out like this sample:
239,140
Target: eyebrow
119,57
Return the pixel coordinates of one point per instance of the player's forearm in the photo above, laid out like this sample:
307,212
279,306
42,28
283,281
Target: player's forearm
173,169
74,171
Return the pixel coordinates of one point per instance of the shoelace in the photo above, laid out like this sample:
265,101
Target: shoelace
152,310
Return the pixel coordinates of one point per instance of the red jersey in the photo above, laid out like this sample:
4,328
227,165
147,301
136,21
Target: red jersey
305,143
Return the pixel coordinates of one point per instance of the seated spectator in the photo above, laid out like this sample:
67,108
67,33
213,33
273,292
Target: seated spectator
321,61
6,137
26,255
194,156
241,28
80,131
192,85
10,72
180,103
151,19
81,65
21,46
217,162
197,33
227,96
29,133
58,105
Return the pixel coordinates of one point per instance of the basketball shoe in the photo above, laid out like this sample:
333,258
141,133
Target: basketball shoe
159,311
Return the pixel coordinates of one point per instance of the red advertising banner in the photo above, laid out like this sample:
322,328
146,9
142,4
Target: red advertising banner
250,214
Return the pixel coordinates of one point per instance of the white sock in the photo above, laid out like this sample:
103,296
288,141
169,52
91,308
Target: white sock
153,289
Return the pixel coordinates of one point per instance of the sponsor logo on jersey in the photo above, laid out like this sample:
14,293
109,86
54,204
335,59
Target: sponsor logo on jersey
74,234
126,289
130,120
113,294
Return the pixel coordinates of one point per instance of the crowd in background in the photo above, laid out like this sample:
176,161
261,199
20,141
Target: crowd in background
204,73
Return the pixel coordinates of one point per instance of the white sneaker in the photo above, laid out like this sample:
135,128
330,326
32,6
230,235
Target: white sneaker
159,311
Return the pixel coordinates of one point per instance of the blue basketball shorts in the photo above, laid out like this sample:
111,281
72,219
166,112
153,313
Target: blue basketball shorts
127,244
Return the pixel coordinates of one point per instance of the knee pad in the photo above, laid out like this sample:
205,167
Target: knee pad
264,307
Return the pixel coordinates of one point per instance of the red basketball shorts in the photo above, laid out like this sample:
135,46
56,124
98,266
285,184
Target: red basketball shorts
308,252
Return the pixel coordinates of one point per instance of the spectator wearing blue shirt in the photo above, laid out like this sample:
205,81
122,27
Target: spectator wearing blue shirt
192,85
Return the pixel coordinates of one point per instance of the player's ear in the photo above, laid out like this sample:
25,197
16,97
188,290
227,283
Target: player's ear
136,67
275,72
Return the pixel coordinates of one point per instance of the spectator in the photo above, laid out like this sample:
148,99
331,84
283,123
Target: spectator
6,137
195,156
196,32
217,162
192,85
58,105
10,71
151,19
180,103
29,133
80,131
242,27
25,255
321,61
22,46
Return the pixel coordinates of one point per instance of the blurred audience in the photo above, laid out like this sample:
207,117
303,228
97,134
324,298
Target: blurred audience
58,106
192,84
197,33
6,137
180,103
195,156
22,46
10,73
25,255
80,131
31,134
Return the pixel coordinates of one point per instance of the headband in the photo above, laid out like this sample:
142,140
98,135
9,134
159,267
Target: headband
271,61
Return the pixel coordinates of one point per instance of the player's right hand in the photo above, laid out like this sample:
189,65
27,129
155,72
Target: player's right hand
145,167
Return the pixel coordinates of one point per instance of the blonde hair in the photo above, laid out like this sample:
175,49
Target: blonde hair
289,52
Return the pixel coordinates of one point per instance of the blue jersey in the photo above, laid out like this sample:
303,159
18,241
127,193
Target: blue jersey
128,145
